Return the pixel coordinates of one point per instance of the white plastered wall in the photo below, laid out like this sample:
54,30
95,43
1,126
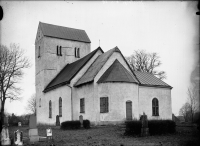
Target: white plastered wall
146,95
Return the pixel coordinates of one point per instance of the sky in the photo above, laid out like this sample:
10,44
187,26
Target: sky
168,28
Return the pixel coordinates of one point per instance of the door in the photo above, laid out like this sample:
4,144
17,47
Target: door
129,110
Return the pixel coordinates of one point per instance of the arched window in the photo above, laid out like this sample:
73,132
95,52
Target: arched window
60,107
60,53
155,107
57,50
50,109
40,102
77,52
39,52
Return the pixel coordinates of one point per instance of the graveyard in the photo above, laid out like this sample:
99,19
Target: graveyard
112,135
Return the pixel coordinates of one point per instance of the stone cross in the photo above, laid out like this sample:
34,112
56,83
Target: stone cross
5,140
144,129
57,120
32,122
81,120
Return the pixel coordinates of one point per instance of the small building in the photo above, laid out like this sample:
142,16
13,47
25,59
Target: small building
72,81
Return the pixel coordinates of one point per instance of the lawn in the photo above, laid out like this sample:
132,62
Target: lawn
114,136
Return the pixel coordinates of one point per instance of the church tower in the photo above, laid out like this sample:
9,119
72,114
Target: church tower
55,47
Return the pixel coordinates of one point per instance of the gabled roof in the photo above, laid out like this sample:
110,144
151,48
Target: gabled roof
69,71
147,79
95,67
64,32
117,73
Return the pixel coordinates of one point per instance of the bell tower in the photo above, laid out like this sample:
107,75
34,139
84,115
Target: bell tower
55,47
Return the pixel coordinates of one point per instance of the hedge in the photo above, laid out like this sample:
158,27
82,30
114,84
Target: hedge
155,127
70,125
86,124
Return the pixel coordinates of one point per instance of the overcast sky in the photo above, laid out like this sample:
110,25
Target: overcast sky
170,29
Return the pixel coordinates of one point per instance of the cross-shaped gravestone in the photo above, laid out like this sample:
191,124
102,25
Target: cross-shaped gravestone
18,137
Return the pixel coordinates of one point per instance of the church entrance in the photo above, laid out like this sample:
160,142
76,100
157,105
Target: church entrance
129,110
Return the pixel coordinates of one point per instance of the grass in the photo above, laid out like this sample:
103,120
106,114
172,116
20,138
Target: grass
114,136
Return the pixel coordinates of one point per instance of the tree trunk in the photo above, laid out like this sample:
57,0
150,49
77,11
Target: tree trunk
2,115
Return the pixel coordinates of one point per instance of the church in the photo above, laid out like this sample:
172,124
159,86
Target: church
72,80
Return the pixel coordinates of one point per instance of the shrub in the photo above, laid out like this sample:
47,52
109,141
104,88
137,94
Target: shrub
86,124
133,127
161,127
70,125
155,127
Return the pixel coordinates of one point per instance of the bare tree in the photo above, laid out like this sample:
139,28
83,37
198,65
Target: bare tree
31,104
12,63
185,111
146,62
192,101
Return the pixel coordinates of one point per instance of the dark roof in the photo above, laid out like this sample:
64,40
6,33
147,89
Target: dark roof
117,73
64,32
69,71
147,79
95,67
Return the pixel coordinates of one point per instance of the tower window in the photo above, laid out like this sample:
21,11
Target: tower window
39,52
77,52
59,51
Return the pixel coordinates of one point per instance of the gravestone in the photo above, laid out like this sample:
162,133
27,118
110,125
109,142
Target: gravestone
144,129
33,131
57,120
5,140
18,137
19,124
81,120
49,135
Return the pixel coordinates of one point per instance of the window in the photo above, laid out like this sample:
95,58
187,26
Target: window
82,105
40,102
60,53
155,107
77,52
104,105
50,109
60,107
59,50
39,52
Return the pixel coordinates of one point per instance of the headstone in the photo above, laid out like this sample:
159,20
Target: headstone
33,131
19,124
49,135
57,120
18,137
81,120
144,129
5,140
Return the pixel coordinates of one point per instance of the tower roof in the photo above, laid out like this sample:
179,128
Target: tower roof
117,73
64,32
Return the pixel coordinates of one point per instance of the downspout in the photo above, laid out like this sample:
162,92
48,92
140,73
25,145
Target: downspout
71,103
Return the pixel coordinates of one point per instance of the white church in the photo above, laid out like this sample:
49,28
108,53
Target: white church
72,81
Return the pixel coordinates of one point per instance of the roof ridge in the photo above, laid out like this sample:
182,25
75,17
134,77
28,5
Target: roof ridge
61,26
